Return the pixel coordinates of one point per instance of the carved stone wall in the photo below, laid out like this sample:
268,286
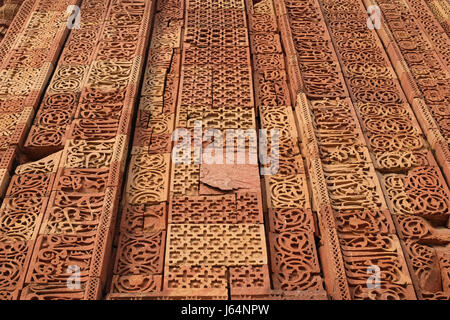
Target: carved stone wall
121,148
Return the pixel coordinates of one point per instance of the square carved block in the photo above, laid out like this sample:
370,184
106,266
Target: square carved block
148,180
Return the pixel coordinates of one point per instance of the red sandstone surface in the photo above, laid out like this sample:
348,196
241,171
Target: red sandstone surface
93,206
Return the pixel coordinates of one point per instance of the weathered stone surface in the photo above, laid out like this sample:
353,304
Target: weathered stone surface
316,161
